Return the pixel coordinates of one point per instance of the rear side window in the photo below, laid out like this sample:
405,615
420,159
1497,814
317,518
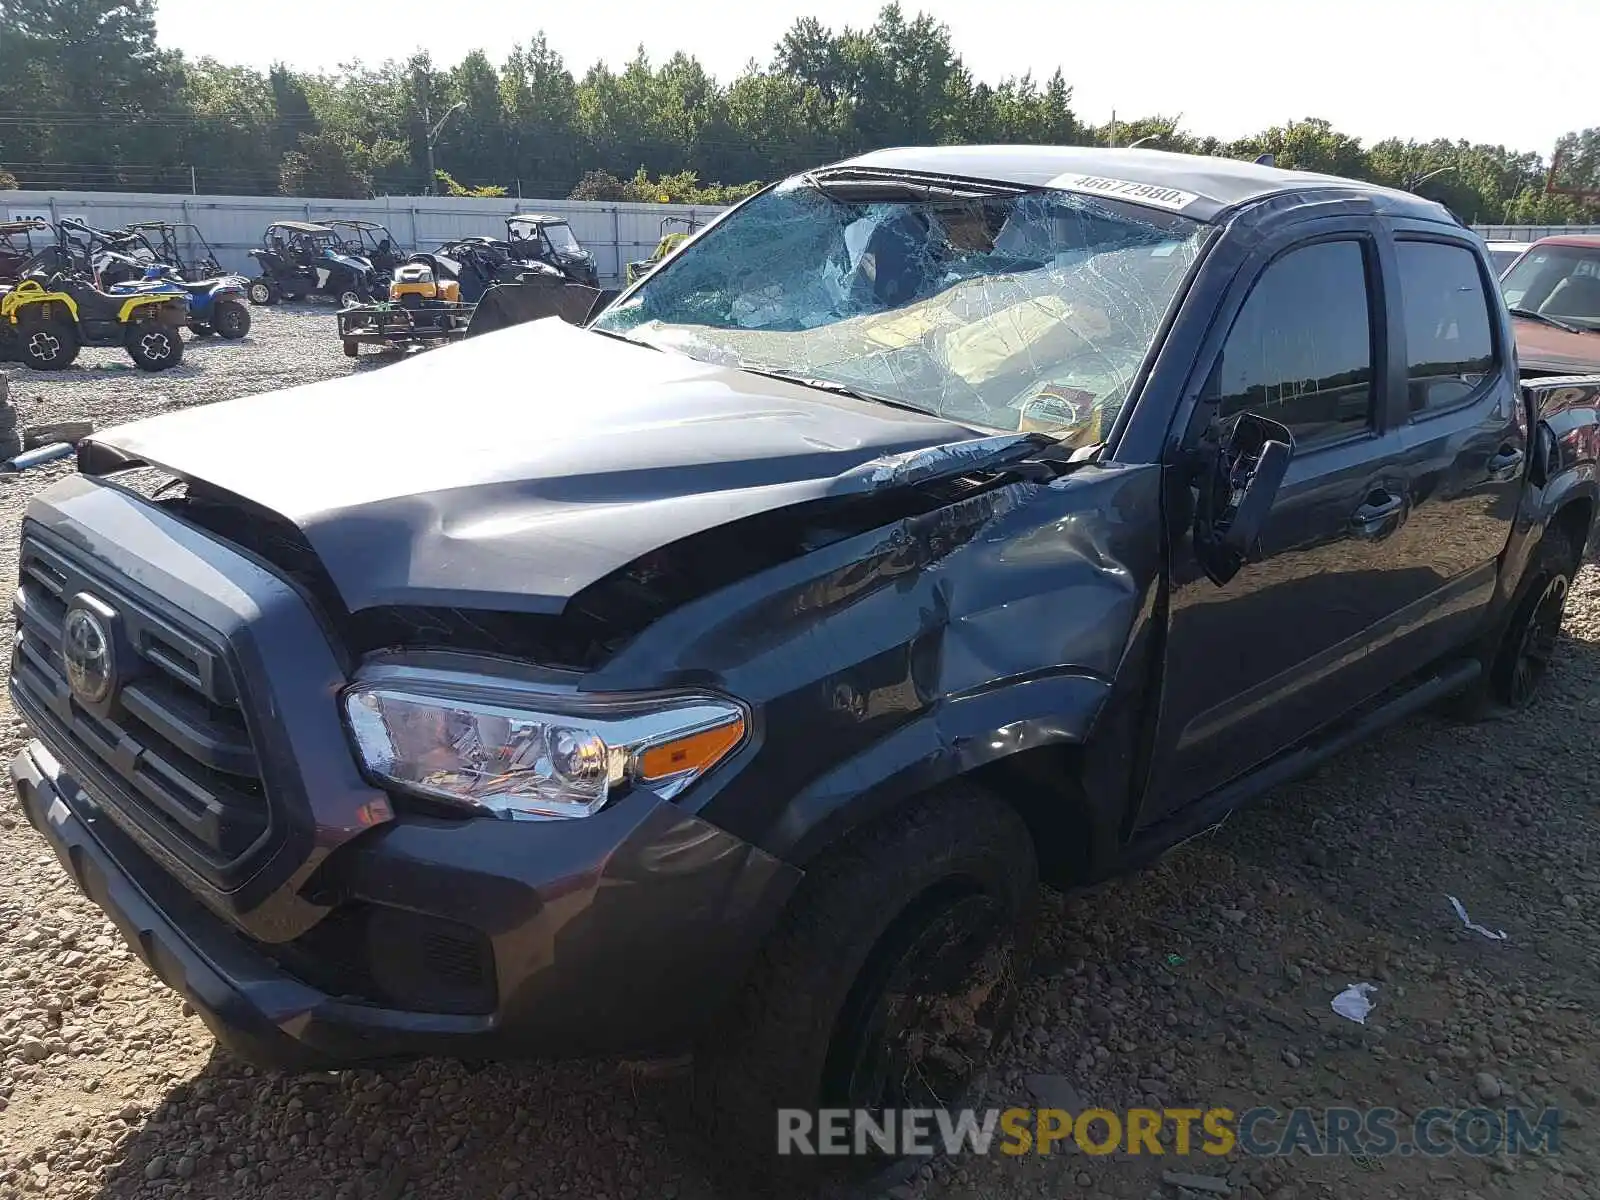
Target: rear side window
1449,347
1300,351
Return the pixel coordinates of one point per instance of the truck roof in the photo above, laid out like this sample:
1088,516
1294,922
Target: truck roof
1197,185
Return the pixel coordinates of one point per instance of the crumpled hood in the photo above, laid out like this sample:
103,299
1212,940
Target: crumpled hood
512,470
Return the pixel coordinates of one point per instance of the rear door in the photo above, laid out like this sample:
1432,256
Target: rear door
1464,432
1256,664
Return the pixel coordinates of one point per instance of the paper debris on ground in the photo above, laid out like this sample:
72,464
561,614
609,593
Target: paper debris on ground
1355,1002
1468,922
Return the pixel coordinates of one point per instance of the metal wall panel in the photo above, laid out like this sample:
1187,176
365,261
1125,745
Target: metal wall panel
616,233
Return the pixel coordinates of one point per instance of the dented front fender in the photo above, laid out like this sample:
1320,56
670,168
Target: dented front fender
887,662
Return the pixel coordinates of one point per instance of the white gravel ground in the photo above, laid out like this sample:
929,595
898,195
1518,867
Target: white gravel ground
1205,980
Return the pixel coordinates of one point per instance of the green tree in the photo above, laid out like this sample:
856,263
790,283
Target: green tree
102,87
335,164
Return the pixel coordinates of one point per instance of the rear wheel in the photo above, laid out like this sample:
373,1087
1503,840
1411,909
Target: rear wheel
1525,644
48,345
230,319
264,291
349,298
894,975
155,347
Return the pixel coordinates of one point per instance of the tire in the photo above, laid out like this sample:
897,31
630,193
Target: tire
47,345
264,291
230,319
1519,654
946,889
154,347
201,331
352,349
350,298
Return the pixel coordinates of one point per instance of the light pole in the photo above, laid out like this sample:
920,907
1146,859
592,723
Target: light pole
433,134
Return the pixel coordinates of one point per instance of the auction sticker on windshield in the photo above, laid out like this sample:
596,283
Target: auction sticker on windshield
1126,189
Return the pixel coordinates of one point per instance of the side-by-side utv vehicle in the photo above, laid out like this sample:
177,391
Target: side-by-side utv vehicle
301,259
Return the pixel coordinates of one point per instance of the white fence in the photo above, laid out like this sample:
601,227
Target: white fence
616,233
1529,233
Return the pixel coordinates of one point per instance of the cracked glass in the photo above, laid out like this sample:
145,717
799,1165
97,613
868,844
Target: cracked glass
1030,310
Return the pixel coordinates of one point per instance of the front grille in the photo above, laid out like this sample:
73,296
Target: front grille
170,743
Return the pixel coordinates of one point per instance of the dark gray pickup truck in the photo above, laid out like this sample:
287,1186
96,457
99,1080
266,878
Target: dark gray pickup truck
726,674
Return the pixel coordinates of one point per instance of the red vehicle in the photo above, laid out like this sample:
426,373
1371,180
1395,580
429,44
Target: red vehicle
1553,292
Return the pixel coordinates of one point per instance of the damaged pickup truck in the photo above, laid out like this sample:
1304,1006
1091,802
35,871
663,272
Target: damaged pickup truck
935,523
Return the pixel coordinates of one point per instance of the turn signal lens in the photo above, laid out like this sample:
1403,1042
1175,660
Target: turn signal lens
694,754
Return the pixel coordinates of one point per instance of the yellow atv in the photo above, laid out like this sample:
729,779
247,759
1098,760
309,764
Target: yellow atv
44,322
668,243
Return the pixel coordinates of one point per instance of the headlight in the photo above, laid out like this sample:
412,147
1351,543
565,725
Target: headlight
523,754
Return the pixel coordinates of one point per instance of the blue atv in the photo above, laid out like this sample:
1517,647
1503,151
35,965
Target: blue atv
215,305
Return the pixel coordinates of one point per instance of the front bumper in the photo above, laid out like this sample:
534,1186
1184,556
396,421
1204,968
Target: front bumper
622,937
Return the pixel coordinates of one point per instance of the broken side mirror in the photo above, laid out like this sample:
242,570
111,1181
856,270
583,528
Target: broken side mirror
1237,486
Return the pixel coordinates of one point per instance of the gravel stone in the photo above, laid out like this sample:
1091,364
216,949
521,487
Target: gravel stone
1202,978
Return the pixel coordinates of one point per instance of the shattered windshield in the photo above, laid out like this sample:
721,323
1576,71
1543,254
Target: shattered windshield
1028,311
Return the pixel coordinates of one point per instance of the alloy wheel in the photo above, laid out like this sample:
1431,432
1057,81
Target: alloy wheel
1537,645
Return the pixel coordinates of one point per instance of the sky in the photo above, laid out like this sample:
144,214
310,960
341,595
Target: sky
1474,69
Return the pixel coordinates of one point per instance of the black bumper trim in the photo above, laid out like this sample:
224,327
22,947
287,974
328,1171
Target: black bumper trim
631,952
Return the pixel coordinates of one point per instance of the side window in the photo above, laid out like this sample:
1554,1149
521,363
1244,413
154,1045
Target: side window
1449,347
1300,350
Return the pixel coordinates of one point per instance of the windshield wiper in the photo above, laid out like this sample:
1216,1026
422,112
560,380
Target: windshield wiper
829,385
622,337
1538,316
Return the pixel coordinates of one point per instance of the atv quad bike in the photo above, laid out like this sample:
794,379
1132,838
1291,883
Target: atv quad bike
669,242
300,259
46,322
216,305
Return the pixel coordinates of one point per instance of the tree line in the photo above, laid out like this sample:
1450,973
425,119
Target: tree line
92,101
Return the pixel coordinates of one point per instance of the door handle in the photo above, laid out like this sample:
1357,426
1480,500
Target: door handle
1379,516
1505,465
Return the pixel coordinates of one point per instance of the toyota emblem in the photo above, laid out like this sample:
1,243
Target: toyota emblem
86,646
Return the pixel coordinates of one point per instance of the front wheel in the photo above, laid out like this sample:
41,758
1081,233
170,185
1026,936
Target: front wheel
155,347
349,298
48,345
264,291
894,974
230,319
